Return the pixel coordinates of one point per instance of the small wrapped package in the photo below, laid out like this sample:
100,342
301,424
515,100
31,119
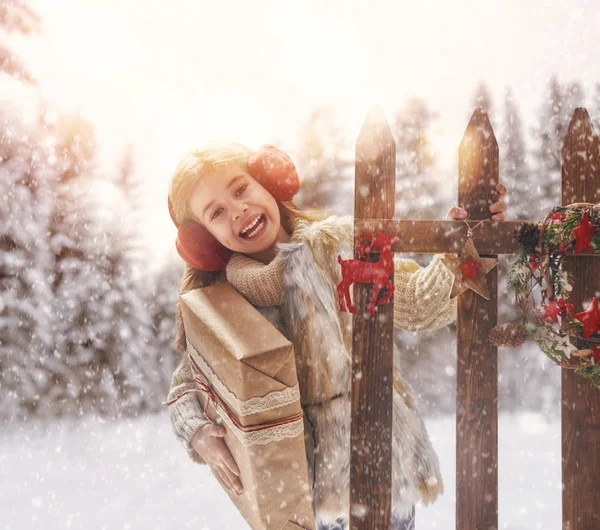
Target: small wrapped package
246,376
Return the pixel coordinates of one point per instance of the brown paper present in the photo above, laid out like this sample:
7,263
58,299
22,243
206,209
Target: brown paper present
245,370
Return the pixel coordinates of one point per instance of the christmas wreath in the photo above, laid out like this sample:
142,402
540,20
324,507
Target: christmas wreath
542,286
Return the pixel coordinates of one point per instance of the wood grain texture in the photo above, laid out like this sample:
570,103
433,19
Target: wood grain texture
434,237
372,360
580,399
477,359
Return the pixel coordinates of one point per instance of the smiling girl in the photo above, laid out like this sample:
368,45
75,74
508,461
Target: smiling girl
237,222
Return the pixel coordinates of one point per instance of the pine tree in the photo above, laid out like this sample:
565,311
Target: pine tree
550,134
325,161
16,17
25,297
25,264
82,379
417,184
514,170
142,365
161,302
482,99
411,128
574,98
75,146
109,360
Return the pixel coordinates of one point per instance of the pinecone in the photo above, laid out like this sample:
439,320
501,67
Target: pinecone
529,237
508,335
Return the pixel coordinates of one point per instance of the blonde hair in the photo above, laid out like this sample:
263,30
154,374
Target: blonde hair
194,165
187,174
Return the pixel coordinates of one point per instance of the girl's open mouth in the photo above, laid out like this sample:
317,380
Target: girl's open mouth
255,229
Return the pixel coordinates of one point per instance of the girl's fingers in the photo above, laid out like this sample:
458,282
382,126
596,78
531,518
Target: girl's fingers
232,478
228,460
455,213
498,207
222,479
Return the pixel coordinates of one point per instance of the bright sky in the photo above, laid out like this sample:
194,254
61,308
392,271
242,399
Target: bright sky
171,75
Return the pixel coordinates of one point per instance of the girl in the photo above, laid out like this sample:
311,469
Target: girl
237,222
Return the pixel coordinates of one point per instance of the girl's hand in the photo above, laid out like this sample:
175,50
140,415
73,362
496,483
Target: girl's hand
498,208
208,443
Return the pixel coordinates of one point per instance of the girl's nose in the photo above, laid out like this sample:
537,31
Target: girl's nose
239,211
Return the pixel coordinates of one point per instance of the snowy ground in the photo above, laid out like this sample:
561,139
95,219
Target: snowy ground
131,475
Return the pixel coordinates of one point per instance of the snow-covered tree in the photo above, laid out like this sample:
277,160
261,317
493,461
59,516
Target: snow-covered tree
25,265
16,17
547,155
326,164
75,146
482,99
574,98
514,170
26,336
417,182
412,124
79,244
161,302
109,361
145,365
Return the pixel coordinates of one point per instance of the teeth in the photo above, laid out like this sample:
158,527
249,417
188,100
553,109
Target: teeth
251,226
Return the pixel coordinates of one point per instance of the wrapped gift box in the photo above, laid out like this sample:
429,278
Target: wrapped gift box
246,376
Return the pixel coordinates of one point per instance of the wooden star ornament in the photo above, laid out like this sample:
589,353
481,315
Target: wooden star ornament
469,271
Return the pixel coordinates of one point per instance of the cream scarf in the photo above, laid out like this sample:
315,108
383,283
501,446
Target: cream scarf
260,283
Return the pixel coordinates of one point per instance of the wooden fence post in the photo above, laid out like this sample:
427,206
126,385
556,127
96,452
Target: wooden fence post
477,359
580,399
372,358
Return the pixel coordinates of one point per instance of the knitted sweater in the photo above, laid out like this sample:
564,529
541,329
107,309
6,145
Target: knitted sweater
421,303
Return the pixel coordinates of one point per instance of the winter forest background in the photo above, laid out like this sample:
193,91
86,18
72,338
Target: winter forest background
87,326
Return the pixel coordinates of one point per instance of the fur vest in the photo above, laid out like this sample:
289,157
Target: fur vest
322,338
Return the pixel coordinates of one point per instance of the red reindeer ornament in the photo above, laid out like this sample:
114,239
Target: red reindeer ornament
378,273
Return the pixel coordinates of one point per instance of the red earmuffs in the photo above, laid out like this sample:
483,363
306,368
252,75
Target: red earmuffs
274,171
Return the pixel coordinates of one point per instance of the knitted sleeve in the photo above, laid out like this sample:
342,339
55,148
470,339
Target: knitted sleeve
422,295
186,413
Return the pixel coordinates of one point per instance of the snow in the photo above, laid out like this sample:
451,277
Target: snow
132,474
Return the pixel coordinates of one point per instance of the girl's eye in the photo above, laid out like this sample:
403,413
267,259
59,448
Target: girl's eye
239,191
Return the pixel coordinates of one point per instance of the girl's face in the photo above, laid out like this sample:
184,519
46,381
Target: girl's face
241,214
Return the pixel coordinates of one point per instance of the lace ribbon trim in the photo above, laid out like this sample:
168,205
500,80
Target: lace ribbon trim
247,434
255,405
264,436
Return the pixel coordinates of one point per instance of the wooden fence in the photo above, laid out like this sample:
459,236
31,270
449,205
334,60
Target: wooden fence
477,359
